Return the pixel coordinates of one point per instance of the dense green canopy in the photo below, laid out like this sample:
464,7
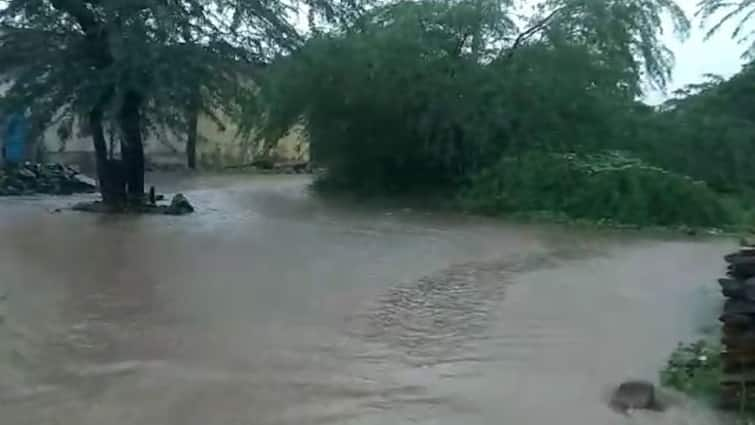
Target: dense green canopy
430,95
441,88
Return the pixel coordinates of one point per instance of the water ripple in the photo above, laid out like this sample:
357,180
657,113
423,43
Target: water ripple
434,319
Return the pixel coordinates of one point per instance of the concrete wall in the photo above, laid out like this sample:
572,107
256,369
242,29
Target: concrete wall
221,147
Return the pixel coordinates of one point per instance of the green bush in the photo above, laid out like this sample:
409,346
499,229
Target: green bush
694,369
609,186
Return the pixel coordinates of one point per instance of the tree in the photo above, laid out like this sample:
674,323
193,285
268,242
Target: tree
705,131
723,12
192,120
133,66
423,93
625,33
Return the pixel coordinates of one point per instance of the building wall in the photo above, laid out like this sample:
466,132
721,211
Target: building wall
217,147
222,147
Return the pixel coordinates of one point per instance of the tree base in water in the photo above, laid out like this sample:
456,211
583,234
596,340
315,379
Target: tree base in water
179,205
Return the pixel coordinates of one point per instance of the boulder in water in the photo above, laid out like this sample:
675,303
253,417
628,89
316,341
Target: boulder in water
635,395
179,205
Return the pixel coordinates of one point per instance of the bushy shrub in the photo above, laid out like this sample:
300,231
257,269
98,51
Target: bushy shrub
694,369
605,186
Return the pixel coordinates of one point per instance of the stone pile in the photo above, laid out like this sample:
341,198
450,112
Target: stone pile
738,336
53,179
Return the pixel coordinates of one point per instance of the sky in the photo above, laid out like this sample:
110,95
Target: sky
696,56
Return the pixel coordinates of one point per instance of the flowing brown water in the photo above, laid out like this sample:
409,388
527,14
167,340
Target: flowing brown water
270,306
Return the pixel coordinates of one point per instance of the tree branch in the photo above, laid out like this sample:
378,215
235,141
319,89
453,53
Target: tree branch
534,29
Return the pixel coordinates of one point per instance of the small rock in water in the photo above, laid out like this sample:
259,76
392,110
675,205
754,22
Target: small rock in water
179,205
635,395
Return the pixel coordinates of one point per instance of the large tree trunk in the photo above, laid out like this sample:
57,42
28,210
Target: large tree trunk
109,171
132,147
191,134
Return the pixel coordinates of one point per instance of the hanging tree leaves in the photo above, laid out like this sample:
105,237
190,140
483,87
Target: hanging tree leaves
626,33
723,12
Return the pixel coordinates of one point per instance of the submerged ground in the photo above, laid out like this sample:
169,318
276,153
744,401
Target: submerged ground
270,306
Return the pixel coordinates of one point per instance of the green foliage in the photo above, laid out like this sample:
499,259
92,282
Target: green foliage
694,369
445,96
706,131
422,94
723,12
390,106
624,32
607,186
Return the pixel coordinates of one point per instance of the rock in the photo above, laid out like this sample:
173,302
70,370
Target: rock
634,395
84,182
737,288
179,205
739,258
733,395
734,306
55,179
741,270
749,293
11,190
731,287
736,361
26,173
742,340
736,320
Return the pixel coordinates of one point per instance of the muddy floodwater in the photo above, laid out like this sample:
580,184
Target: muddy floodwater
270,306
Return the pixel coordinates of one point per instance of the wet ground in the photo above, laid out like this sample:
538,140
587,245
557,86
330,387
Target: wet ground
273,307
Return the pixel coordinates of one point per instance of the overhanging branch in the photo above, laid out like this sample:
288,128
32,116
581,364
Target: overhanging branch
531,31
